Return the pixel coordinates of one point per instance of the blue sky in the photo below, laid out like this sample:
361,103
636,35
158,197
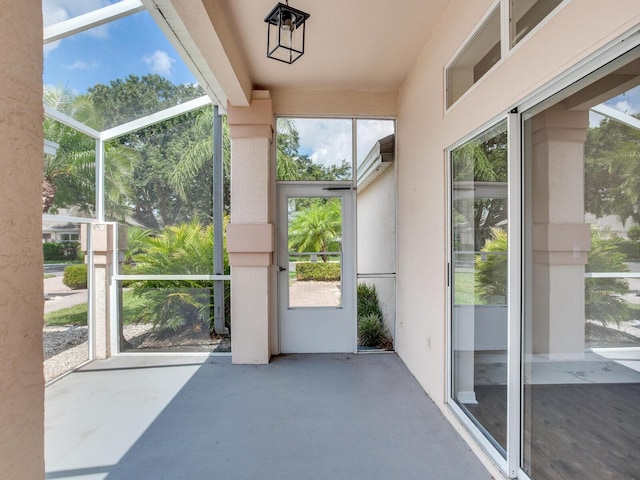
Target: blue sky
131,45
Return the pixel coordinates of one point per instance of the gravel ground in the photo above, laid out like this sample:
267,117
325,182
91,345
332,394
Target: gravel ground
66,347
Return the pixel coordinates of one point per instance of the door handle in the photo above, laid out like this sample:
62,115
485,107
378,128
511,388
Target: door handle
281,269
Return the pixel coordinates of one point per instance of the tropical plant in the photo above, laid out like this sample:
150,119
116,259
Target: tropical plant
371,331
180,249
317,227
368,302
604,299
491,267
136,240
199,153
69,175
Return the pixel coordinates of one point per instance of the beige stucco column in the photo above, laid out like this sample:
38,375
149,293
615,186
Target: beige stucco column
21,295
101,239
561,239
250,235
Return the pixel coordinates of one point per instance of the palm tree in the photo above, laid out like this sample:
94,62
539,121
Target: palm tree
69,175
317,227
200,152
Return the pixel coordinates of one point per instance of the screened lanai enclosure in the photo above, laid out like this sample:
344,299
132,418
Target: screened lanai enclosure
135,189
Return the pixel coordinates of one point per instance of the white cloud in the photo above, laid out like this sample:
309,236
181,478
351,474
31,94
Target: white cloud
54,11
625,107
160,62
326,141
82,65
369,132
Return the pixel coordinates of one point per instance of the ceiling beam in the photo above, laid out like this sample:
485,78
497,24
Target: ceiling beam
203,34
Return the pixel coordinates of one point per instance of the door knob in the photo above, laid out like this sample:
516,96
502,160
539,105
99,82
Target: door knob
281,269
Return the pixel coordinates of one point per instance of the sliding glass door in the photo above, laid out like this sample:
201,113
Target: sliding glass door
479,259
545,281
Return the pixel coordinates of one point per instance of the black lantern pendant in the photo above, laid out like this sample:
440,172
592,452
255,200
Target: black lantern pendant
285,33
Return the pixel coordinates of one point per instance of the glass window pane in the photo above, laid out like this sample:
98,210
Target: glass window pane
479,283
581,370
315,252
526,14
369,134
312,149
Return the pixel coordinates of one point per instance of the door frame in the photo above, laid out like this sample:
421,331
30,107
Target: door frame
347,312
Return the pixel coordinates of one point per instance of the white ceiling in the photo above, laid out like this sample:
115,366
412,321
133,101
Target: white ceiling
350,44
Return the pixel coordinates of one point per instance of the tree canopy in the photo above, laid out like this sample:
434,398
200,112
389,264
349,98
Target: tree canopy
172,179
612,170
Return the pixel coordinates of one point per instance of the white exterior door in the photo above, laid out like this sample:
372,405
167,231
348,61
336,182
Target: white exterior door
317,278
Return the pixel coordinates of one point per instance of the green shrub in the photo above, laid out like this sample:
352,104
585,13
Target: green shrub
634,233
75,276
371,331
491,269
60,251
187,249
319,271
368,303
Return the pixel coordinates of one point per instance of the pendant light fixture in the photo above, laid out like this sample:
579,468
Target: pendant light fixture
285,33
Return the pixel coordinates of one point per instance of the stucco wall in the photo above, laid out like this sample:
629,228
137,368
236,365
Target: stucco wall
376,227
21,295
571,34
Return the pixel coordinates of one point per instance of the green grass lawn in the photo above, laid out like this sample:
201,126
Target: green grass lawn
464,289
77,315
49,275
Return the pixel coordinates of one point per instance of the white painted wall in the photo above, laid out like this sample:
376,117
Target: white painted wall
376,227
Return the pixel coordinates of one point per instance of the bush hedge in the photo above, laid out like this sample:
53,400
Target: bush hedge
75,276
321,271
60,251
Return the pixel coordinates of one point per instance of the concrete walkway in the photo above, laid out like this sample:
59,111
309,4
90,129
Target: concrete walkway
302,417
58,296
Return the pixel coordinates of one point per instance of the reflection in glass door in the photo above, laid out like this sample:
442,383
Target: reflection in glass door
581,345
479,282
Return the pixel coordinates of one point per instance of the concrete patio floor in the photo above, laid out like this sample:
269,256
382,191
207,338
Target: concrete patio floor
332,416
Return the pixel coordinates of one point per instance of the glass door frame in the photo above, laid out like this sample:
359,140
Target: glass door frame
510,464
348,280
610,54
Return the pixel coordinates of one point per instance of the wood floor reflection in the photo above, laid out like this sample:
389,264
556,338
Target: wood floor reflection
572,431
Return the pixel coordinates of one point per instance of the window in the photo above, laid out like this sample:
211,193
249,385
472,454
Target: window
526,14
477,57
